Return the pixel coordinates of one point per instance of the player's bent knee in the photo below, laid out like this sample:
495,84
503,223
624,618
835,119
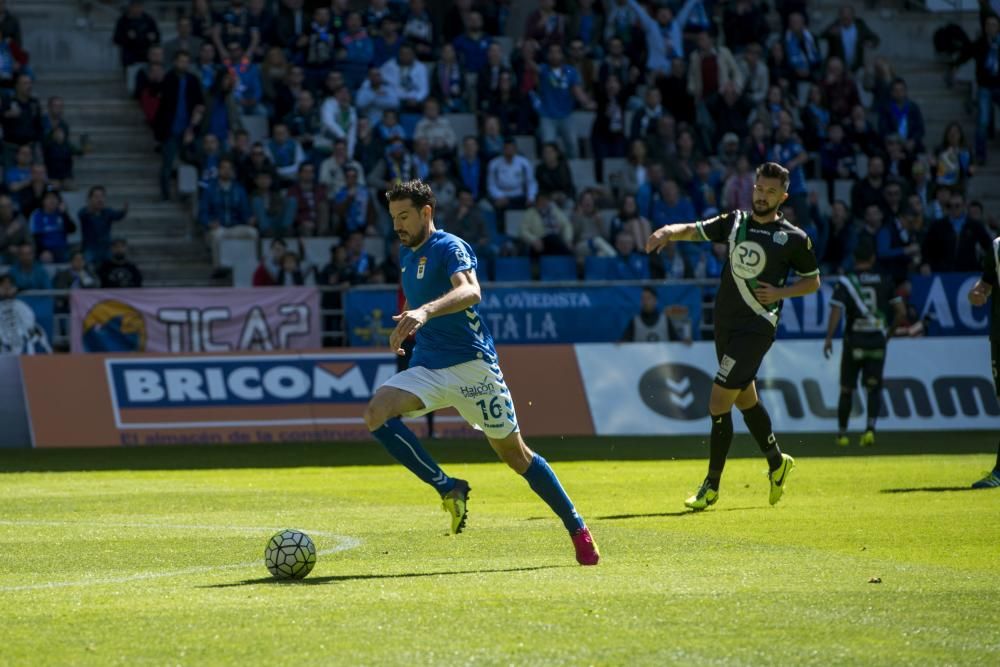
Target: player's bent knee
513,451
378,411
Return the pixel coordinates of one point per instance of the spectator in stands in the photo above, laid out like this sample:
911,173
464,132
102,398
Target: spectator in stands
249,89
545,25
952,159
515,117
466,221
737,193
135,32
941,243
292,272
205,156
584,65
389,128
630,221
27,273
849,38
779,69
31,197
897,252
861,135
224,210
553,175
306,127
233,27
76,276
409,78
473,45
730,111
21,333
448,81
206,69
744,24
151,92
975,242
180,112
143,77
664,34
13,231
898,162
396,165
96,219
312,208
657,325
755,75
471,170
618,63
902,116
10,26
22,116
546,230
644,120
17,176
118,271
770,111
444,188
50,226
492,138
185,40
789,152
510,180
920,187
649,192
711,68
422,158
661,146
841,239
488,77
59,153
356,51
588,229
263,21
839,90
331,172
353,205
202,19
607,137
815,120
369,149
558,86
871,225
802,49
525,65
266,273
633,174
674,91
986,52
275,214
871,189
436,129
375,96
291,25
358,262
836,157
587,25
418,29
274,71
671,206
285,153
388,42
680,165
631,264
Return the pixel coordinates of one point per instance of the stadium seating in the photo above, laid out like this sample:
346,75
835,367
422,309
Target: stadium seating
464,124
558,267
239,255
526,146
582,170
598,268
513,269
512,223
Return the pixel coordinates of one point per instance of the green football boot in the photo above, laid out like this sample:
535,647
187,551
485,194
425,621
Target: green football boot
779,478
705,497
867,439
455,503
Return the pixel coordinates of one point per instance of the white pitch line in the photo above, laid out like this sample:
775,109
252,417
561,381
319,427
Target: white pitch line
345,542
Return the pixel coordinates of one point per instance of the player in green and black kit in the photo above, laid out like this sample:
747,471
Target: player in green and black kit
864,296
763,248
978,296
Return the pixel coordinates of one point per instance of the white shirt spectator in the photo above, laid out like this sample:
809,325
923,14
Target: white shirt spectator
373,103
662,49
19,331
410,83
340,123
331,174
506,180
438,132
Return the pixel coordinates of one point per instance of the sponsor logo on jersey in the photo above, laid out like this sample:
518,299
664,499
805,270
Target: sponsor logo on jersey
748,260
484,388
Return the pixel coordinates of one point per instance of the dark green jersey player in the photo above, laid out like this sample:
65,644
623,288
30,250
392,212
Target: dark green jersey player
866,300
979,294
763,249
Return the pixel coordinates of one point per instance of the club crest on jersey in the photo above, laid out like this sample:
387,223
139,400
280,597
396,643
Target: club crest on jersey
421,267
781,237
748,260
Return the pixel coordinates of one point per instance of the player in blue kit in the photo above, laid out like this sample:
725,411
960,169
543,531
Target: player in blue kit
454,365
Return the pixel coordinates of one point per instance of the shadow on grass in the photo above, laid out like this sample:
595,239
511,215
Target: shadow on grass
929,489
555,449
336,578
653,515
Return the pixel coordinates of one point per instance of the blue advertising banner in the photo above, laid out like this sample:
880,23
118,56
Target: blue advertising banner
529,315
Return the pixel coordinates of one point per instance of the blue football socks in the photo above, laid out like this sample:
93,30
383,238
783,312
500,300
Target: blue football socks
544,482
406,448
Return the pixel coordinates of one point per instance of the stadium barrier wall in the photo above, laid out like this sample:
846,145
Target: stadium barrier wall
142,399
653,389
195,320
14,428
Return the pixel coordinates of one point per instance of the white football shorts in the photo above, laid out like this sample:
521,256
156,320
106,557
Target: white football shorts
476,389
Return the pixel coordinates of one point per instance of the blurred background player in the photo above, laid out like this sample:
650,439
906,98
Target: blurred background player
403,360
454,365
763,247
864,297
978,296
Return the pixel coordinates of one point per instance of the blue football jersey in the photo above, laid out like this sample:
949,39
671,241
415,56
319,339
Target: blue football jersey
447,340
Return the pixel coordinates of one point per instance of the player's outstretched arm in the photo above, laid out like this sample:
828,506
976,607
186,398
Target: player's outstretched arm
687,231
979,293
463,294
769,293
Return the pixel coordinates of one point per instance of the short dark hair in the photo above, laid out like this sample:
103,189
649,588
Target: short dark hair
864,251
95,188
416,191
773,170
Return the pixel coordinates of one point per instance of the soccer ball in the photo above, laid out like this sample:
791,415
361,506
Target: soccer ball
290,554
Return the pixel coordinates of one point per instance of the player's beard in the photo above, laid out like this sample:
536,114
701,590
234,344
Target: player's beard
413,240
764,211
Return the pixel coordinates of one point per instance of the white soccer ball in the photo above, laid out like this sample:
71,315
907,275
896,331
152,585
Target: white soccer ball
290,554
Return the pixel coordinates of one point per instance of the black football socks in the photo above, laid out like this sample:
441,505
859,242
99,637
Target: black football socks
719,442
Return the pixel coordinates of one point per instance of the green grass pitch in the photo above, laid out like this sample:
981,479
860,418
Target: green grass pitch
136,557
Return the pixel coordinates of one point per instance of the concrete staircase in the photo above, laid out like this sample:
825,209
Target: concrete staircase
124,159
